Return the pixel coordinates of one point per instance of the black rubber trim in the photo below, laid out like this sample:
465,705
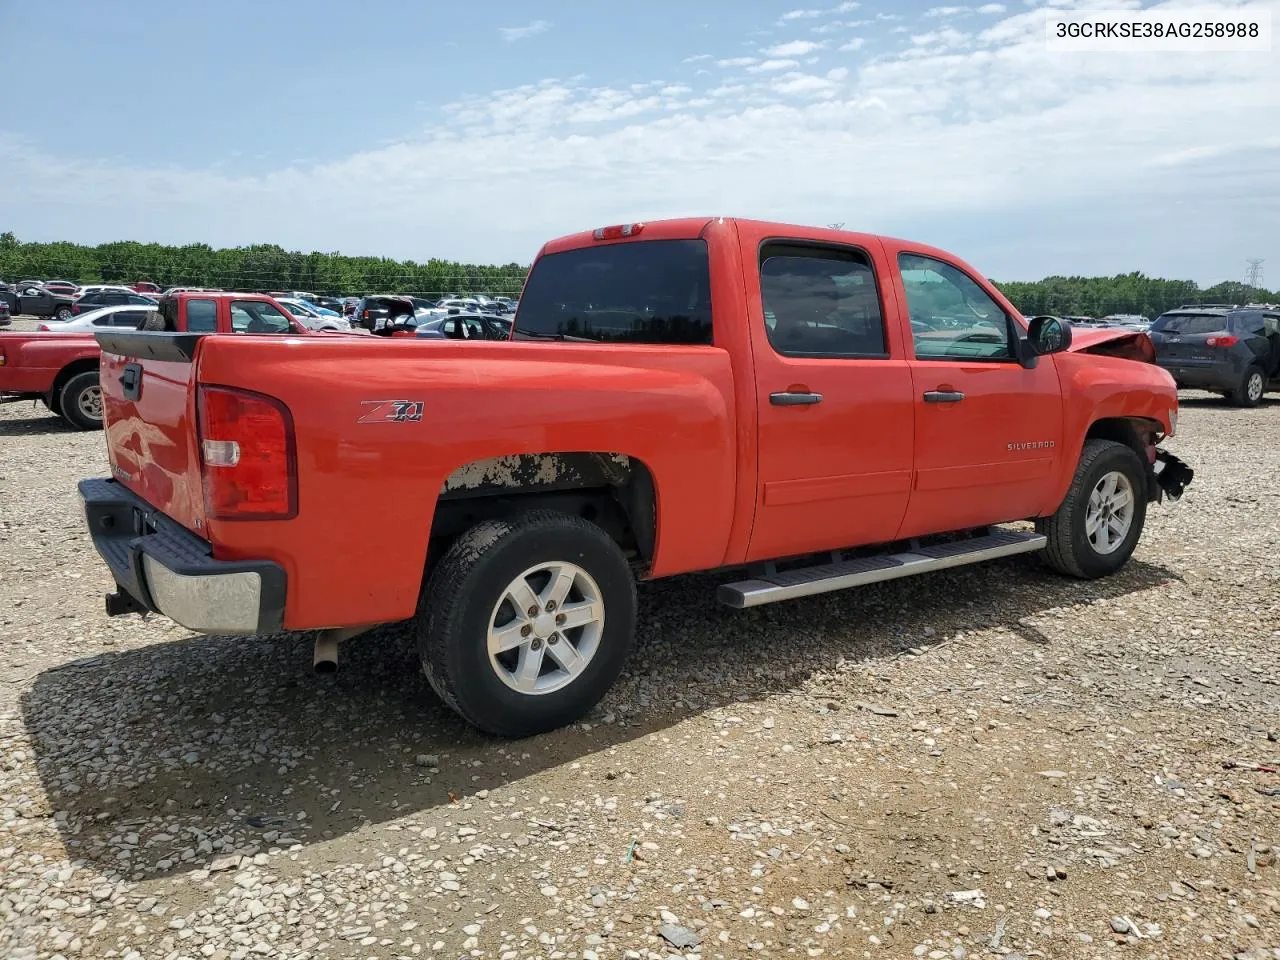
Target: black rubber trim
150,345
124,527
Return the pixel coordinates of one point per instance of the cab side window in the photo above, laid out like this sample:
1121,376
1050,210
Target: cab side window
255,316
952,317
820,302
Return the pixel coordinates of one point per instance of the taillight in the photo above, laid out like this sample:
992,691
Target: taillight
75,308
617,232
247,454
1226,340
3,358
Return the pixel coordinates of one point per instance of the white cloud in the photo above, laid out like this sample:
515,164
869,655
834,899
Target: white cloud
795,48
698,58
512,34
848,6
856,43
947,38
736,62
945,11
991,8
767,66
792,15
1024,163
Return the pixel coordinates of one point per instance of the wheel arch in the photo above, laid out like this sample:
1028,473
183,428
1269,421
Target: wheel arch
72,369
1139,434
614,490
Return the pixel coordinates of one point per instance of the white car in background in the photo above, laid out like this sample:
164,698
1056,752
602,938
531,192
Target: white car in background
121,315
311,318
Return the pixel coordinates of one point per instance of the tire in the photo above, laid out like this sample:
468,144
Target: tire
78,398
468,593
1071,550
1252,386
62,313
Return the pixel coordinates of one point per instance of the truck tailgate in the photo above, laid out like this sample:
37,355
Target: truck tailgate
149,406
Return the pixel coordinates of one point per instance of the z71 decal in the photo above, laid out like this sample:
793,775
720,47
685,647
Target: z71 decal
390,411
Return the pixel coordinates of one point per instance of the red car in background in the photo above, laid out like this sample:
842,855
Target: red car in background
146,286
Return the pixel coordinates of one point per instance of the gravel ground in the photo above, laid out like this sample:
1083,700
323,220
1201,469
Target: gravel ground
989,761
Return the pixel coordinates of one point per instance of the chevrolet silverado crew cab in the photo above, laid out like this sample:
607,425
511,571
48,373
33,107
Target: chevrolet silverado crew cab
59,364
804,409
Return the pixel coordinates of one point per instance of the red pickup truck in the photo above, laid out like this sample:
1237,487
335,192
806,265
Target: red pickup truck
810,408
61,368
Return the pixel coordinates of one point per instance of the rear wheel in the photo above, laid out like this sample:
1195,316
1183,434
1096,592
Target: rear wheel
1252,386
80,401
63,313
527,622
1097,527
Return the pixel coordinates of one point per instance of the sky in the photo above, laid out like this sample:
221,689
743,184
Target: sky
424,128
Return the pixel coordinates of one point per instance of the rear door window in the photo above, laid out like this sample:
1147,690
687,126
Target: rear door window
638,291
1250,322
128,318
1190,323
202,316
820,302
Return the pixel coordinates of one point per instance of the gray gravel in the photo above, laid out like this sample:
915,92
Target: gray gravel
992,761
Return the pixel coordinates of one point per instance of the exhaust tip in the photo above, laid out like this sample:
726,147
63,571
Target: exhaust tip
326,666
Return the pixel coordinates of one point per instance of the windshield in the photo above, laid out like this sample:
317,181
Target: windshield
649,291
1190,323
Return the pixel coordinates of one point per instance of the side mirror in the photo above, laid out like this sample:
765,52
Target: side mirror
1048,335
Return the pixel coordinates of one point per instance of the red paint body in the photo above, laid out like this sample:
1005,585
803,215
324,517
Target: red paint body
736,478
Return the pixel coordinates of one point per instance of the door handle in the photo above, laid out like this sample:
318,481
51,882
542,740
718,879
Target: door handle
943,396
800,399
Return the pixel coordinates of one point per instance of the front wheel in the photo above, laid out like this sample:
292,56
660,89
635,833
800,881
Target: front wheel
1095,530
63,313
80,401
526,622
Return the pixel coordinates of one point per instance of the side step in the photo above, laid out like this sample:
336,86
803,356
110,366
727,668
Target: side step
806,582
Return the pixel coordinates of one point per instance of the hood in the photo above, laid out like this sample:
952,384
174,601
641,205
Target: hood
1113,342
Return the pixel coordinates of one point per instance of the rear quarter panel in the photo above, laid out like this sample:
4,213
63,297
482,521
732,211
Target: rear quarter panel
33,361
367,492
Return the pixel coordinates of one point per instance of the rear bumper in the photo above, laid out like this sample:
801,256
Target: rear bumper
1201,375
161,567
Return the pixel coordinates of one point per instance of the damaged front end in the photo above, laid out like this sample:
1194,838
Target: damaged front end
1171,476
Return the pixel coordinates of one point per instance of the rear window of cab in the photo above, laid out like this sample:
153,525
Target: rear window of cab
640,291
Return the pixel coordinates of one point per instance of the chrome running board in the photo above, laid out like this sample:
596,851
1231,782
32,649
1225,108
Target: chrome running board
826,577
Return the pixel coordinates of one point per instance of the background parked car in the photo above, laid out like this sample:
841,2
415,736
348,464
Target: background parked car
1234,351
5,318
62,286
466,326
386,314
32,299
111,298
312,318
120,315
147,287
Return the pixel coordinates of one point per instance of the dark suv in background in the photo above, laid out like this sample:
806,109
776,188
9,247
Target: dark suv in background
1230,350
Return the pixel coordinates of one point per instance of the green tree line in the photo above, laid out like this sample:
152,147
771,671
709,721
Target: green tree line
264,267
257,268
1123,293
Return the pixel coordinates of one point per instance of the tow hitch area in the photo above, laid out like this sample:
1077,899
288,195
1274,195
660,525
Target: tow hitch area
1172,474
